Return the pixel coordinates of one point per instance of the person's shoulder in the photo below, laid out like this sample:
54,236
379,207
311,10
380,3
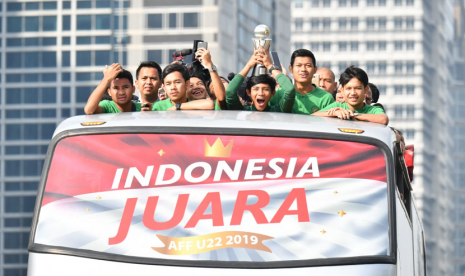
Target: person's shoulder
106,103
108,106
332,105
138,106
374,110
135,99
338,104
162,105
321,93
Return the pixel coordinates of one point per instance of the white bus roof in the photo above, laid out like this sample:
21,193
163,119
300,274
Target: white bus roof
231,120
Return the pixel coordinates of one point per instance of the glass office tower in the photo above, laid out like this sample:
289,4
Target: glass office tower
457,91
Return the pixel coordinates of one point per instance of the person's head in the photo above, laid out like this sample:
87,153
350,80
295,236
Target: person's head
225,83
327,80
162,94
368,96
121,88
197,89
303,66
148,78
176,80
374,92
337,95
354,82
260,89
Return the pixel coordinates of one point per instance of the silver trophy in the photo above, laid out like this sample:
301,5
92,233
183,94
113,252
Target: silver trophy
261,32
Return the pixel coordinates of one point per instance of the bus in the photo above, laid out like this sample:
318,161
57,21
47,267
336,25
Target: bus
230,192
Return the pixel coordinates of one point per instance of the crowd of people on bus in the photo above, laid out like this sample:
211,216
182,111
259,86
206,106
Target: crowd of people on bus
176,87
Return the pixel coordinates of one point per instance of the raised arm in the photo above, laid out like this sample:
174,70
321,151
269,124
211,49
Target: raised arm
218,87
232,100
264,58
109,74
250,64
287,100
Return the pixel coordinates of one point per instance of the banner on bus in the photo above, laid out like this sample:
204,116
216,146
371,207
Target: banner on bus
208,197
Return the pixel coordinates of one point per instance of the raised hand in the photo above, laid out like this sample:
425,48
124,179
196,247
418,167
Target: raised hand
253,60
264,57
110,72
203,55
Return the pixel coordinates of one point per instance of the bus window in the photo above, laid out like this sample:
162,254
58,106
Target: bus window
215,198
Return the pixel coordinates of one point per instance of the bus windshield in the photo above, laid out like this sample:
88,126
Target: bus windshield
215,197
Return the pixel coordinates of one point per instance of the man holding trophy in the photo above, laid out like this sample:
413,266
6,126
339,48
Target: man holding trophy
261,87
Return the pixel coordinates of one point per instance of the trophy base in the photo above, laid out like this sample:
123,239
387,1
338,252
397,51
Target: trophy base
259,70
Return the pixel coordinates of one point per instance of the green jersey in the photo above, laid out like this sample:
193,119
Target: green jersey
366,109
308,103
110,106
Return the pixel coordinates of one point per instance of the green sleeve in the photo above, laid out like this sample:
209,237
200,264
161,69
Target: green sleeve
232,100
108,106
277,97
328,107
287,100
328,100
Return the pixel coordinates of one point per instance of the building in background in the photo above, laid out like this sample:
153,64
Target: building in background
406,47
457,91
52,55
158,28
